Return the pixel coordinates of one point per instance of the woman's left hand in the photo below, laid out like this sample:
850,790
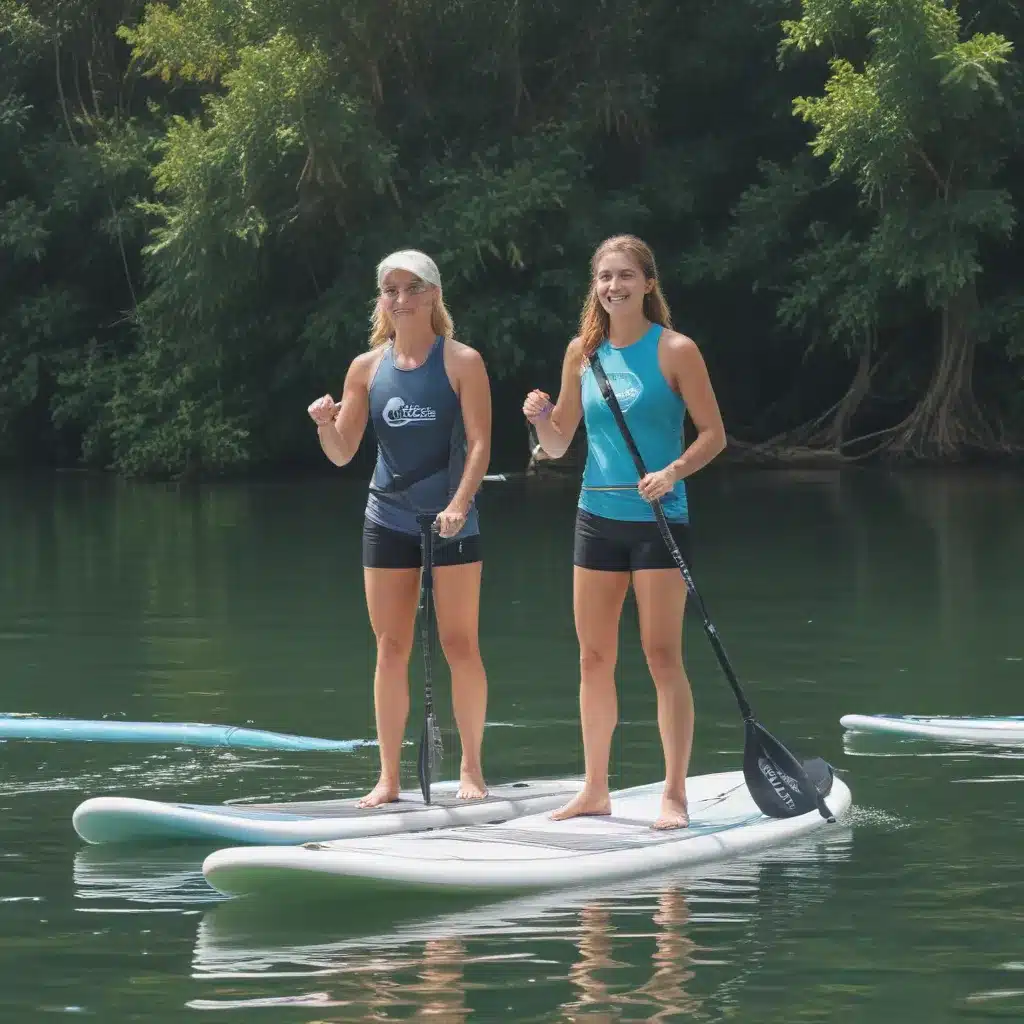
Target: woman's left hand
657,485
450,521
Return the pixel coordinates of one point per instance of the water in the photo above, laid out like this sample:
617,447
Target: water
242,604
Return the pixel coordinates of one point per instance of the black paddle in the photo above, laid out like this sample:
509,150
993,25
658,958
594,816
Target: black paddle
428,766
780,785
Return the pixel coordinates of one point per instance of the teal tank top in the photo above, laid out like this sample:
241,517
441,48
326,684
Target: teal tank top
654,414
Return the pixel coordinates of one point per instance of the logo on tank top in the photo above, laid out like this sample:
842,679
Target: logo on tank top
627,387
398,413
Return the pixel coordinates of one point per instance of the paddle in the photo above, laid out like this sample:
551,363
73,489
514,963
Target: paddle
428,766
779,783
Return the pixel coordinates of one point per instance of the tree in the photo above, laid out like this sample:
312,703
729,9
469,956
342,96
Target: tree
920,123
72,161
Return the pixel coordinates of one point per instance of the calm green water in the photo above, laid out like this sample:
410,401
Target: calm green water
242,604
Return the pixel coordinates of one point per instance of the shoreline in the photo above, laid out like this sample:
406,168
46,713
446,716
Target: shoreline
737,456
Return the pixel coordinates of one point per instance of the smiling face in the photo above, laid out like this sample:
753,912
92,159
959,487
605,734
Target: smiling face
406,298
620,285
624,292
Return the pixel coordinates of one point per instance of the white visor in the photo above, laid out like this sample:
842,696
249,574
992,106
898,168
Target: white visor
412,260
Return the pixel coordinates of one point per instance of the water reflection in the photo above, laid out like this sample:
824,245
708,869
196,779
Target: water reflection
117,879
663,996
864,744
670,947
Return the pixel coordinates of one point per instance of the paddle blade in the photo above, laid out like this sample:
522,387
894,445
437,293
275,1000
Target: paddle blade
437,748
431,753
423,762
780,785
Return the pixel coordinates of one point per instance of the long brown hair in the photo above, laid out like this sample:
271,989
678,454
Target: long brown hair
594,319
382,327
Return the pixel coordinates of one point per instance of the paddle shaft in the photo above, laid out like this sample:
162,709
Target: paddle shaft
426,609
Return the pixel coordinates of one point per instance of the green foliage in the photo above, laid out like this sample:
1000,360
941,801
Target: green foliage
193,196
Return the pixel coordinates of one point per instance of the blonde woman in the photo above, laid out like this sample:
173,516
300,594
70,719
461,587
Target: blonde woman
657,375
428,398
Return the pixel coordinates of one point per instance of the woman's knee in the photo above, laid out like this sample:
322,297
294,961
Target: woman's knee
460,646
393,649
596,658
664,661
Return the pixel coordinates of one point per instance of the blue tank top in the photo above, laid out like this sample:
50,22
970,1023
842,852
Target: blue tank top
421,443
654,414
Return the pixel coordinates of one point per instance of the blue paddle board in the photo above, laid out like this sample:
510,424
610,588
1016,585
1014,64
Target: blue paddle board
193,734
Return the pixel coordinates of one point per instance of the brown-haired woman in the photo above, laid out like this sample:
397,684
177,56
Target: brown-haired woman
429,401
657,375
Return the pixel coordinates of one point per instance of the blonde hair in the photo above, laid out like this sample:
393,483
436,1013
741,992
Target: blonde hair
594,319
382,328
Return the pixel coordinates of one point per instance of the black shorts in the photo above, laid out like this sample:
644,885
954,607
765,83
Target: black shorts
392,549
616,545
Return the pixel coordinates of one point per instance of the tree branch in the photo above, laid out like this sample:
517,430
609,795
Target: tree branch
923,156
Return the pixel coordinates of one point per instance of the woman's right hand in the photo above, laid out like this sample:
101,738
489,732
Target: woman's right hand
537,406
323,410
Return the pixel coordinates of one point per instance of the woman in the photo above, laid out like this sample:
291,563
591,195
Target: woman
657,375
429,400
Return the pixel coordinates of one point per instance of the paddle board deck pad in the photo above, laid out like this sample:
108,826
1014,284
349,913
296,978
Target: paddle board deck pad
191,734
990,729
531,853
113,819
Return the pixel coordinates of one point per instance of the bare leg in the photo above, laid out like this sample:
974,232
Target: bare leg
661,601
597,606
457,599
391,599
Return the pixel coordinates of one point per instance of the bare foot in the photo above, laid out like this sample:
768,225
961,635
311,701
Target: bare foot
584,804
471,785
382,793
673,814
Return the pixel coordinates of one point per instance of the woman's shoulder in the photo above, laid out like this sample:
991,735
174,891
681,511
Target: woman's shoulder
465,368
459,355
576,354
675,341
362,366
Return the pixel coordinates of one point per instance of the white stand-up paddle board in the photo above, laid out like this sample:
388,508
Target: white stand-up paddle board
112,819
972,730
532,852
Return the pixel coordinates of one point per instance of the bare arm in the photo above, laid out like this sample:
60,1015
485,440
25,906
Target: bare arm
340,439
474,391
686,369
556,430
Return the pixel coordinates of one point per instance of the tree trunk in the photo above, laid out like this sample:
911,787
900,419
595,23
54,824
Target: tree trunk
947,422
826,434
838,430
